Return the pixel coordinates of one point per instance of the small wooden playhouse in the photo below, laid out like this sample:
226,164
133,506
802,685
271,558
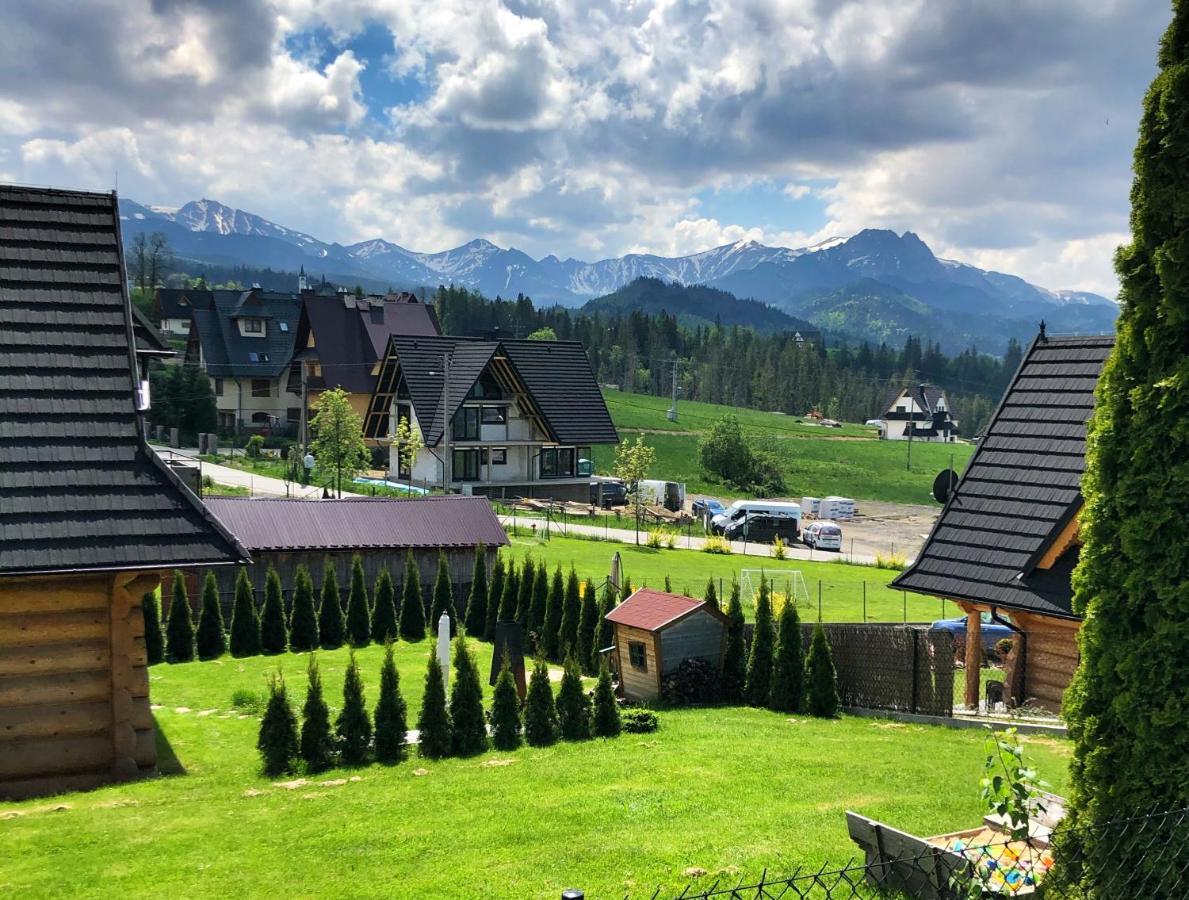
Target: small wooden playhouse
654,632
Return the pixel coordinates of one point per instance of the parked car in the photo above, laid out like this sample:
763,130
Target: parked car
608,492
741,509
991,631
822,536
762,529
709,505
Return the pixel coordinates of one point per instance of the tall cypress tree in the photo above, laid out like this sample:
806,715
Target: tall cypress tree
821,681
540,712
317,743
571,613
494,593
468,727
359,626
603,630
510,595
524,599
391,727
433,722
604,719
353,726
711,595
588,620
211,640
331,629
245,621
443,597
734,664
505,710
758,683
303,625
626,589
1126,707
154,638
476,614
573,710
274,636
277,741
384,609
787,672
179,632
551,630
535,621
412,610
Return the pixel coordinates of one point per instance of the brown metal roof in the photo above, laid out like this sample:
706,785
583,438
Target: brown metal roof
359,523
651,610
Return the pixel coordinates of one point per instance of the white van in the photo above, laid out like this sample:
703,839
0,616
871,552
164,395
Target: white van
740,508
823,536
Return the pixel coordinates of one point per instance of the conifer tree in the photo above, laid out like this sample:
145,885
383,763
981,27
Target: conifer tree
274,635
711,595
505,710
1127,707
353,727
603,630
391,725
668,584
524,597
154,638
303,624
443,598
734,666
604,721
554,603
317,743
571,613
573,710
787,673
210,641
476,615
412,610
331,628
540,713
758,683
468,727
535,621
433,722
359,626
821,681
511,594
179,632
384,609
588,621
277,741
626,590
495,593
245,621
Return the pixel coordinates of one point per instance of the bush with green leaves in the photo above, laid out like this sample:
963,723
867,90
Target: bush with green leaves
604,720
640,721
277,740
711,594
245,621
154,637
443,597
274,635
303,624
476,614
758,683
510,595
317,742
210,640
383,625
505,710
495,591
353,727
331,628
412,609
551,629
695,682
789,669
179,632
391,724
821,681
433,722
468,726
249,702
540,712
359,626
573,706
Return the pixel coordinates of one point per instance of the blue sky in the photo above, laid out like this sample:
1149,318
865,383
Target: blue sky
1001,133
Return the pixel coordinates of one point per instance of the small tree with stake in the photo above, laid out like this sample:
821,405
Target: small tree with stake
540,713
338,444
573,710
330,614
632,463
390,713
211,640
468,727
277,741
245,622
274,636
443,597
476,615
317,743
505,710
384,609
179,633
303,626
758,684
353,726
787,674
154,638
408,444
433,722
359,626
412,611
821,681
605,721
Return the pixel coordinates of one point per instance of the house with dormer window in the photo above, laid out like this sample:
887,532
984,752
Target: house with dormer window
510,418
920,412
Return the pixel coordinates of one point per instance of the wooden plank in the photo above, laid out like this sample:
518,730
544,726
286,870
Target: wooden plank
54,628
48,756
53,595
974,656
1043,661
54,720
71,687
52,659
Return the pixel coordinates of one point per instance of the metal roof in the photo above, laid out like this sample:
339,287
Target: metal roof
651,610
79,488
359,523
1020,489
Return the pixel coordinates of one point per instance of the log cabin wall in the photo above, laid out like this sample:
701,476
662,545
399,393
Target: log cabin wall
74,686
1050,658
637,685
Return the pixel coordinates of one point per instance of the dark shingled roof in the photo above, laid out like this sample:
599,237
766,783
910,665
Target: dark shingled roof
1020,489
932,395
359,523
79,488
179,303
228,354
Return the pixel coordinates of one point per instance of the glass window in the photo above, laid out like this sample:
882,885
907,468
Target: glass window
261,387
494,415
637,656
466,465
466,424
253,326
218,387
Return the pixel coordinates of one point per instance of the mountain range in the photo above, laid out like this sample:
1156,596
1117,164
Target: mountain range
876,284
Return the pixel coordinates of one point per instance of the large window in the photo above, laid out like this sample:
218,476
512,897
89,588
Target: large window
486,388
557,462
261,387
253,326
466,424
466,465
494,415
637,657
498,456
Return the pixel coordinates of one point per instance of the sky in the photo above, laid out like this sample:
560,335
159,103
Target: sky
1000,131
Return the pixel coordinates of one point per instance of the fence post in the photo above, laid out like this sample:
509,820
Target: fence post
905,594
864,602
819,599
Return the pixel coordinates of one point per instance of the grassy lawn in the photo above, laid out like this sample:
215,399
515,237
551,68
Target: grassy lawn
689,570
819,462
727,790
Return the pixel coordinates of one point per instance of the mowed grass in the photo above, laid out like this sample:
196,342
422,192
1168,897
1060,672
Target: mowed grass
689,570
818,462
729,790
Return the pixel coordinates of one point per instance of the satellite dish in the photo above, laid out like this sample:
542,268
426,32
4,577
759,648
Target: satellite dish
944,485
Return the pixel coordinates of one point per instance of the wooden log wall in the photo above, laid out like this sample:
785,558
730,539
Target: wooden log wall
74,709
1050,658
637,685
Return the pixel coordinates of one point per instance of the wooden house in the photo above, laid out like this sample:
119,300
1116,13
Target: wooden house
89,516
655,632
1007,541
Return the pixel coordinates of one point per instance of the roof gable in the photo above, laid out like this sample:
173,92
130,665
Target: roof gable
229,354
651,610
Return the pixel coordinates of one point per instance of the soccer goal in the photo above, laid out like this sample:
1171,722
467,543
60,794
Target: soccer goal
784,584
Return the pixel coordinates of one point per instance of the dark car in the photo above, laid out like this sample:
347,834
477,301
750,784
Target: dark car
707,506
762,529
990,631
606,494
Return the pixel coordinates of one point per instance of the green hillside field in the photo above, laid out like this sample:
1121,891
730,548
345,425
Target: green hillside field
850,461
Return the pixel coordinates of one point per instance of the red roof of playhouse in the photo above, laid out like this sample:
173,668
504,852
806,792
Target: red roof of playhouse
651,610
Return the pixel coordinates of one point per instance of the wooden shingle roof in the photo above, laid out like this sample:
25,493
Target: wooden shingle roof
79,488
1020,489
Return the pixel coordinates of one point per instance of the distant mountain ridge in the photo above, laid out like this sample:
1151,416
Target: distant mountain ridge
825,282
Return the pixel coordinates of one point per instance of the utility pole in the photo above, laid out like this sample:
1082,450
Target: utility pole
673,407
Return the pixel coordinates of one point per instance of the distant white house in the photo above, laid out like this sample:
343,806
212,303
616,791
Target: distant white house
920,411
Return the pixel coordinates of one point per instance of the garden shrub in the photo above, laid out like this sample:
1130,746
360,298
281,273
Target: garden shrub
391,724
331,630
359,626
317,742
535,622
540,713
571,612
604,721
154,638
551,631
654,539
573,707
693,683
495,593
179,633
353,727
384,609
587,623
711,595
779,549
505,710
758,682
253,446
510,595
303,625
821,680
277,740
476,614
274,636
245,623
249,702
412,610
640,721
433,722
716,543
210,640
524,596
468,727
788,671
734,666
443,598
603,630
